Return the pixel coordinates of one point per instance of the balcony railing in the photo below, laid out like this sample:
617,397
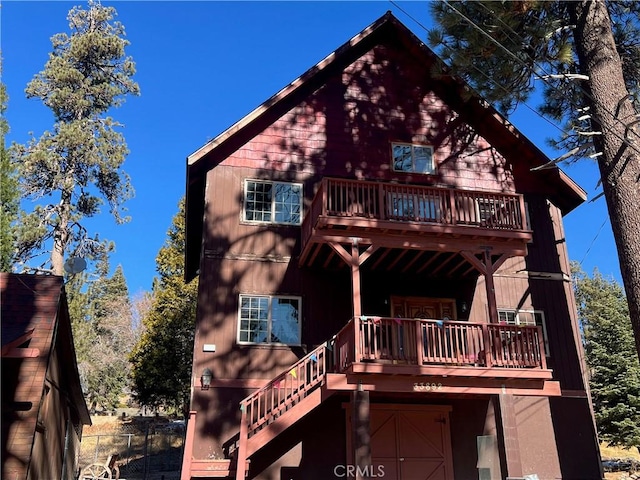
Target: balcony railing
416,203
424,342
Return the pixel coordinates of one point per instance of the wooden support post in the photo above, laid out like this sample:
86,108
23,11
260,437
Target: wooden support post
324,189
509,433
453,214
543,351
357,339
420,343
487,267
488,346
241,455
355,278
187,458
523,215
360,432
354,260
490,286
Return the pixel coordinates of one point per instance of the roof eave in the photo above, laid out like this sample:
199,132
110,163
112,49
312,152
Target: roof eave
286,91
203,159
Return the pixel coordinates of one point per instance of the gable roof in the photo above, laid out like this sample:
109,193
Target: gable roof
487,122
34,313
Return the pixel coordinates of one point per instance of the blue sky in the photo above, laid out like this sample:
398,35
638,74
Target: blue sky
202,66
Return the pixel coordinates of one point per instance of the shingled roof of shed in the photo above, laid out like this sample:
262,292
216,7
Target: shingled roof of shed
34,311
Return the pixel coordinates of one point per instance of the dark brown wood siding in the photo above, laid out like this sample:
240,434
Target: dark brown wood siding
42,405
574,430
548,254
345,129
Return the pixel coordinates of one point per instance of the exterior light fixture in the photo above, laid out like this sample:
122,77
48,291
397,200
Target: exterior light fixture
463,307
205,379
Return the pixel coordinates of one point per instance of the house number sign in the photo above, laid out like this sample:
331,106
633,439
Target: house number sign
427,387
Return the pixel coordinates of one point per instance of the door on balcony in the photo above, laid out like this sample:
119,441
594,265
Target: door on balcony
411,442
423,307
436,347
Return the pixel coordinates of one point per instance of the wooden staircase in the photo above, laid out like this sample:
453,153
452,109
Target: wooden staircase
282,402
266,413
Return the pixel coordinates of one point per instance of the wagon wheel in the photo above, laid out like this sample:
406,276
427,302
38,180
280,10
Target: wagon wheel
95,471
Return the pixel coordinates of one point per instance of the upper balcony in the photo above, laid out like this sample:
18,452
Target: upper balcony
395,216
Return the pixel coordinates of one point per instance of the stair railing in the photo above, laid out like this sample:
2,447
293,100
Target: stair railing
266,404
263,406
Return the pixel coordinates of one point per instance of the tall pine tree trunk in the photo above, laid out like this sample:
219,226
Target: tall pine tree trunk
611,111
61,234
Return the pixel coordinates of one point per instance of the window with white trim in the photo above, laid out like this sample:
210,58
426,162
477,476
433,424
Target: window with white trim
269,319
272,202
525,317
411,158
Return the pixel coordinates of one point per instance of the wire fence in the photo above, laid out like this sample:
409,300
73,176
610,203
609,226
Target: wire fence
146,450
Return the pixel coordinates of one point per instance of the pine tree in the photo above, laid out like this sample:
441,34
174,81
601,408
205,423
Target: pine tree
585,54
76,167
107,293
8,192
113,334
162,359
103,319
84,335
614,367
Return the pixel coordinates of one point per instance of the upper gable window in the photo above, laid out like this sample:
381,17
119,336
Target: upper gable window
412,158
272,202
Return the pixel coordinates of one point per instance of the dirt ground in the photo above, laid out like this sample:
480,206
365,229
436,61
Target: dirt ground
608,452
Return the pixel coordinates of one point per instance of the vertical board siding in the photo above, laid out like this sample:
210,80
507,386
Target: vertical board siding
344,129
538,450
222,280
548,253
227,234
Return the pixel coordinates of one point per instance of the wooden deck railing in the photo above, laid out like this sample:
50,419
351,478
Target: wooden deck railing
416,203
437,342
265,405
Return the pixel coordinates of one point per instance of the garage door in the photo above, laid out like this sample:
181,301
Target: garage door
411,442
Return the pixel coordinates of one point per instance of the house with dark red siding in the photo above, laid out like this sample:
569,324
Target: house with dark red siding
384,285
43,408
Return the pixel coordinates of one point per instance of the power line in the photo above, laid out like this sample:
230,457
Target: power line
593,241
408,15
490,79
578,85
503,88
530,69
494,81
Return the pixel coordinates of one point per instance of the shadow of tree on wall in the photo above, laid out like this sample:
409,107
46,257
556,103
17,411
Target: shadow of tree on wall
342,125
